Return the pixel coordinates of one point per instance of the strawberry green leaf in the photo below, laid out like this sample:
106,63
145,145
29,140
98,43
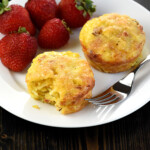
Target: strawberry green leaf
22,30
7,9
85,5
1,11
79,7
3,6
66,26
84,13
5,3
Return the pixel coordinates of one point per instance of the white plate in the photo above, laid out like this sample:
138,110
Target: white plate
15,98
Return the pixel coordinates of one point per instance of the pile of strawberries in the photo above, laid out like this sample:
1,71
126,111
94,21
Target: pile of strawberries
19,46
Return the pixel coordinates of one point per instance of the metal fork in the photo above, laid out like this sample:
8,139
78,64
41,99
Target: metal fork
120,90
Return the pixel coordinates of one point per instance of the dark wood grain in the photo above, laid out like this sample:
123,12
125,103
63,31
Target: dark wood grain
145,3
129,133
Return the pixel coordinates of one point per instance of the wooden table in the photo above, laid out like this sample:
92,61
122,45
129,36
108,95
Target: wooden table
129,133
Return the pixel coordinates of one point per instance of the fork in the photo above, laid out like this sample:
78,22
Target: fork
120,90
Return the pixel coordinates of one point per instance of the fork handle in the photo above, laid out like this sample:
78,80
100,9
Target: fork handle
130,77
145,61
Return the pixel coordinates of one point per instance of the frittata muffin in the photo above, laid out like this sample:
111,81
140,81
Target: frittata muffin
112,42
62,79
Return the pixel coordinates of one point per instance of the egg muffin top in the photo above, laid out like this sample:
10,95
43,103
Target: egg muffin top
62,79
112,38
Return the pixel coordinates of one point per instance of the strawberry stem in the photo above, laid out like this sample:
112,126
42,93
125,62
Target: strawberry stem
3,6
22,30
66,26
86,6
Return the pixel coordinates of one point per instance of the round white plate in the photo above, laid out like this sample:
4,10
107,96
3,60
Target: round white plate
15,98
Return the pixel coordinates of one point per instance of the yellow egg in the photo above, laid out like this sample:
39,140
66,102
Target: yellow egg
112,42
62,79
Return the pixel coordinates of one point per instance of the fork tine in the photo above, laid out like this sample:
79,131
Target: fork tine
103,99
106,99
98,98
107,102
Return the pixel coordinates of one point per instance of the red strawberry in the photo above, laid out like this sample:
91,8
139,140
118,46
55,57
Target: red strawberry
17,50
54,34
76,12
41,11
13,17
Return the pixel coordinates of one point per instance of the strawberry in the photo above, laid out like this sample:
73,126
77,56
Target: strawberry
41,11
13,17
54,34
17,50
76,12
